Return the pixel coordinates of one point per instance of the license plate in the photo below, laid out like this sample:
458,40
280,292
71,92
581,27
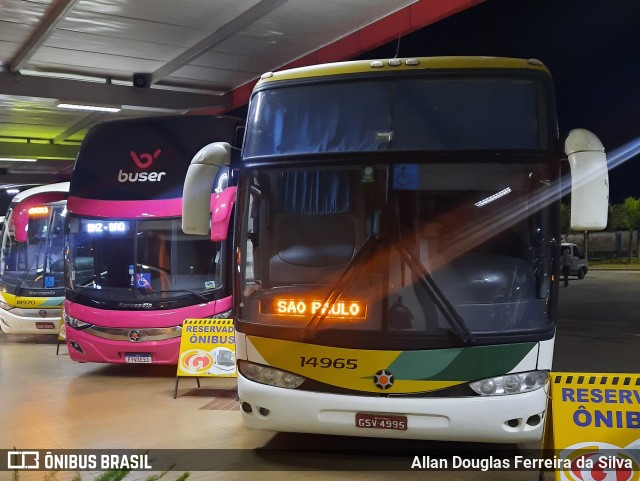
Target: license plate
381,421
137,358
45,325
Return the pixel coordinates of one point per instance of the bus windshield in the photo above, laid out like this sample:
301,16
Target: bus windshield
113,260
455,255
415,112
36,263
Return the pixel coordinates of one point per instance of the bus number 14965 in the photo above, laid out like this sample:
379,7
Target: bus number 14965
327,362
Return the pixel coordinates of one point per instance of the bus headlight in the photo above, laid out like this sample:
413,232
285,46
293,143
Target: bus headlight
222,315
5,306
75,323
269,375
510,383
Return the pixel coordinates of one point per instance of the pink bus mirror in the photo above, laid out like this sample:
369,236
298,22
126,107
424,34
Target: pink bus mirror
221,209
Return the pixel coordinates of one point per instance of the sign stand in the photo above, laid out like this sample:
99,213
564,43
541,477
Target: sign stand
62,335
175,392
207,349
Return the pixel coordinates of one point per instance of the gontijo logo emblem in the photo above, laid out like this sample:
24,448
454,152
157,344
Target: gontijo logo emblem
196,361
598,461
142,161
383,379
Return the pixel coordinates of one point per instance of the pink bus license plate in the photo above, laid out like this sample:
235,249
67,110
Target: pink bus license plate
381,421
137,358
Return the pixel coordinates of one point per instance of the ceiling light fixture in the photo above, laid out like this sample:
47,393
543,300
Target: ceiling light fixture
493,197
16,159
92,108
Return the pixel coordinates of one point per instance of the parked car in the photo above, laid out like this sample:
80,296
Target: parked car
580,265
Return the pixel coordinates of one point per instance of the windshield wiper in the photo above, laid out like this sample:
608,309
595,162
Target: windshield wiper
439,298
91,283
36,257
46,266
199,295
367,248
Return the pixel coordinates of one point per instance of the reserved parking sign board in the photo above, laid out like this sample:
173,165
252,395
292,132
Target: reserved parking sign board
207,348
595,423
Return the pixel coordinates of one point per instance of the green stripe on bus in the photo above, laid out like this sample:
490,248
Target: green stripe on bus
460,364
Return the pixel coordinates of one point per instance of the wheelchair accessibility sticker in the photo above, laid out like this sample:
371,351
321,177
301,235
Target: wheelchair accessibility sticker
143,280
406,176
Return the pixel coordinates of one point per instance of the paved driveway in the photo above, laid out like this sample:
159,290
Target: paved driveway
599,323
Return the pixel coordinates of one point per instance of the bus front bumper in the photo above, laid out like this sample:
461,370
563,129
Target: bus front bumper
492,419
30,321
84,347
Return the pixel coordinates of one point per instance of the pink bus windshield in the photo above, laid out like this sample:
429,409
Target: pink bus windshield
119,261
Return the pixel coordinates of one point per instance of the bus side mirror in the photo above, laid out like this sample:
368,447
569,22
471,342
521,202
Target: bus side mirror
221,209
198,183
589,180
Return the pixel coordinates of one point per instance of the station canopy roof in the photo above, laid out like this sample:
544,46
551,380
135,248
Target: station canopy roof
162,57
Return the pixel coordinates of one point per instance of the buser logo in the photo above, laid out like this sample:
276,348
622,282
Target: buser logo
143,161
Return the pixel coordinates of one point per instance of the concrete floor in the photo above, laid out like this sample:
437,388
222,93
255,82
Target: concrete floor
50,403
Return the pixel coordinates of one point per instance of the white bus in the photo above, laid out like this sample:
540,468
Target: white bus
397,245
31,261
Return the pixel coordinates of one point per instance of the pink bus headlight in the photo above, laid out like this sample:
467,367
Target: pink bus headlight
222,315
75,323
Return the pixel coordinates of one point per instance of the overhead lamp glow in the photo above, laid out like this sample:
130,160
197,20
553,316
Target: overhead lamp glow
493,197
16,159
92,108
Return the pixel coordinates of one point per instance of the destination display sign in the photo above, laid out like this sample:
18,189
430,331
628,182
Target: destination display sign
40,210
286,306
105,227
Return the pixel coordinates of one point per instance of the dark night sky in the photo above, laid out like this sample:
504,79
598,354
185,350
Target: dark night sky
592,48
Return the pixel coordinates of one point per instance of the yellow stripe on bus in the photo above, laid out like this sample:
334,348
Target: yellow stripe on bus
28,302
341,367
417,63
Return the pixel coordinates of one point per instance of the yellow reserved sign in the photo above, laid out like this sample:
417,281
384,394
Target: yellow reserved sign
62,333
207,348
595,426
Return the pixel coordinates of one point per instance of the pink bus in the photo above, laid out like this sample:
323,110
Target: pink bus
132,277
